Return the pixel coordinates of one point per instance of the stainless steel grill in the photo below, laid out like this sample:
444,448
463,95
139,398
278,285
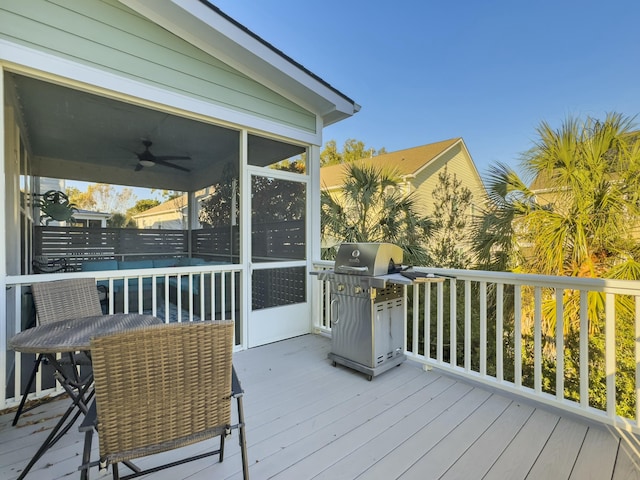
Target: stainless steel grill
367,307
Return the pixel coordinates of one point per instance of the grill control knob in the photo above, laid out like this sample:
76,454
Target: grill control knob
340,287
357,289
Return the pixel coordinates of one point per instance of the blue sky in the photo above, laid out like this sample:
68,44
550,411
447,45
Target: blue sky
487,71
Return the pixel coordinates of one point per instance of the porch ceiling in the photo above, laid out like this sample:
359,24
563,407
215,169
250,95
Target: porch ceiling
78,135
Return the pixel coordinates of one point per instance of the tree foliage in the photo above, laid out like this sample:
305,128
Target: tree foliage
119,220
371,207
272,199
142,206
448,245
580,220
168,194
582,224
139,207
102,197
352,150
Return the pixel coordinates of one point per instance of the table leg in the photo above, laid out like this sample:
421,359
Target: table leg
80,400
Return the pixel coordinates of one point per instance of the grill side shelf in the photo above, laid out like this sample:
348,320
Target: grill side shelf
365,281
380,281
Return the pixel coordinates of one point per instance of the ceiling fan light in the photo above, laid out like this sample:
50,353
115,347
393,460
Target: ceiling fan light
146,163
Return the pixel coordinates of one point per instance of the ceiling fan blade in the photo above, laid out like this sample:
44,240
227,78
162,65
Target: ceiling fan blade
170,157
167,164
138,167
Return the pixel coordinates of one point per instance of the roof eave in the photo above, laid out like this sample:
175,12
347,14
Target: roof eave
205,26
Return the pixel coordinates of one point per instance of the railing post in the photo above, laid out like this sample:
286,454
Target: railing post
537,340
584,350
416,316
453,323
499,331
637,355
467,325
440,321
483,328
517,335
559,344
610,353
427,320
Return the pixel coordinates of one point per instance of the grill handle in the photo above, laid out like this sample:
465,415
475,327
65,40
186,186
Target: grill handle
334,311
352,269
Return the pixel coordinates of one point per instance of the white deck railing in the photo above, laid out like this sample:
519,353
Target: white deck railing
490,347
475,312
176,294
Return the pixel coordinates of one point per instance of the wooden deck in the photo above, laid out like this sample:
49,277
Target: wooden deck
308,420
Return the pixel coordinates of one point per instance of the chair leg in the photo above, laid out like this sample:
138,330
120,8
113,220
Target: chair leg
243,440
221,457
26,391
86,455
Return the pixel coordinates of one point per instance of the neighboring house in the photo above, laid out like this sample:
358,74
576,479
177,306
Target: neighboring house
169,96
418,169
543,188
548,194
171,214
90,219
83,218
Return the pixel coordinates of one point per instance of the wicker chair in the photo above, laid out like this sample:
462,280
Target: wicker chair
160,388
61,300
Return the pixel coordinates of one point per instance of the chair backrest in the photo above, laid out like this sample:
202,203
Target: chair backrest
65,299
162,387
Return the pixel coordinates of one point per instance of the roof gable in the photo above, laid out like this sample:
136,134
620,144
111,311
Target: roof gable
407,162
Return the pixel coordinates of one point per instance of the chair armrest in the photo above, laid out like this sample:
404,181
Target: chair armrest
236,388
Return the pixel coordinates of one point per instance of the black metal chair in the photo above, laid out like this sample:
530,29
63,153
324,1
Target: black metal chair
47,265
159,388
61,300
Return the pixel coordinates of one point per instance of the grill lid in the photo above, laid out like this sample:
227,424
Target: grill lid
368,258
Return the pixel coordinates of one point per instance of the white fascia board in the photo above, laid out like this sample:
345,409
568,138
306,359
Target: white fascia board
460,141
417,172
126,89
203,27
473,164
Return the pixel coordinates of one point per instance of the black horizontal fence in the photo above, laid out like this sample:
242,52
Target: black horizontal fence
76,245
80,244
278,240
217,244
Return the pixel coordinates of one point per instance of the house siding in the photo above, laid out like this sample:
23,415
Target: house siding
111,37
457,162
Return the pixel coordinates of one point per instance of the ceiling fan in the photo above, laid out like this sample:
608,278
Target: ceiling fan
148,159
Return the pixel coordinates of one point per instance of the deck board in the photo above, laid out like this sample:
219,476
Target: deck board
521,453
597,455
440,458
361,431
407,453
352,457
308,420
628,461
487,447
558,456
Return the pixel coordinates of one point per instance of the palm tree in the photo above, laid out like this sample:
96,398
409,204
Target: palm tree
371,207
584,222
581,220
593,172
